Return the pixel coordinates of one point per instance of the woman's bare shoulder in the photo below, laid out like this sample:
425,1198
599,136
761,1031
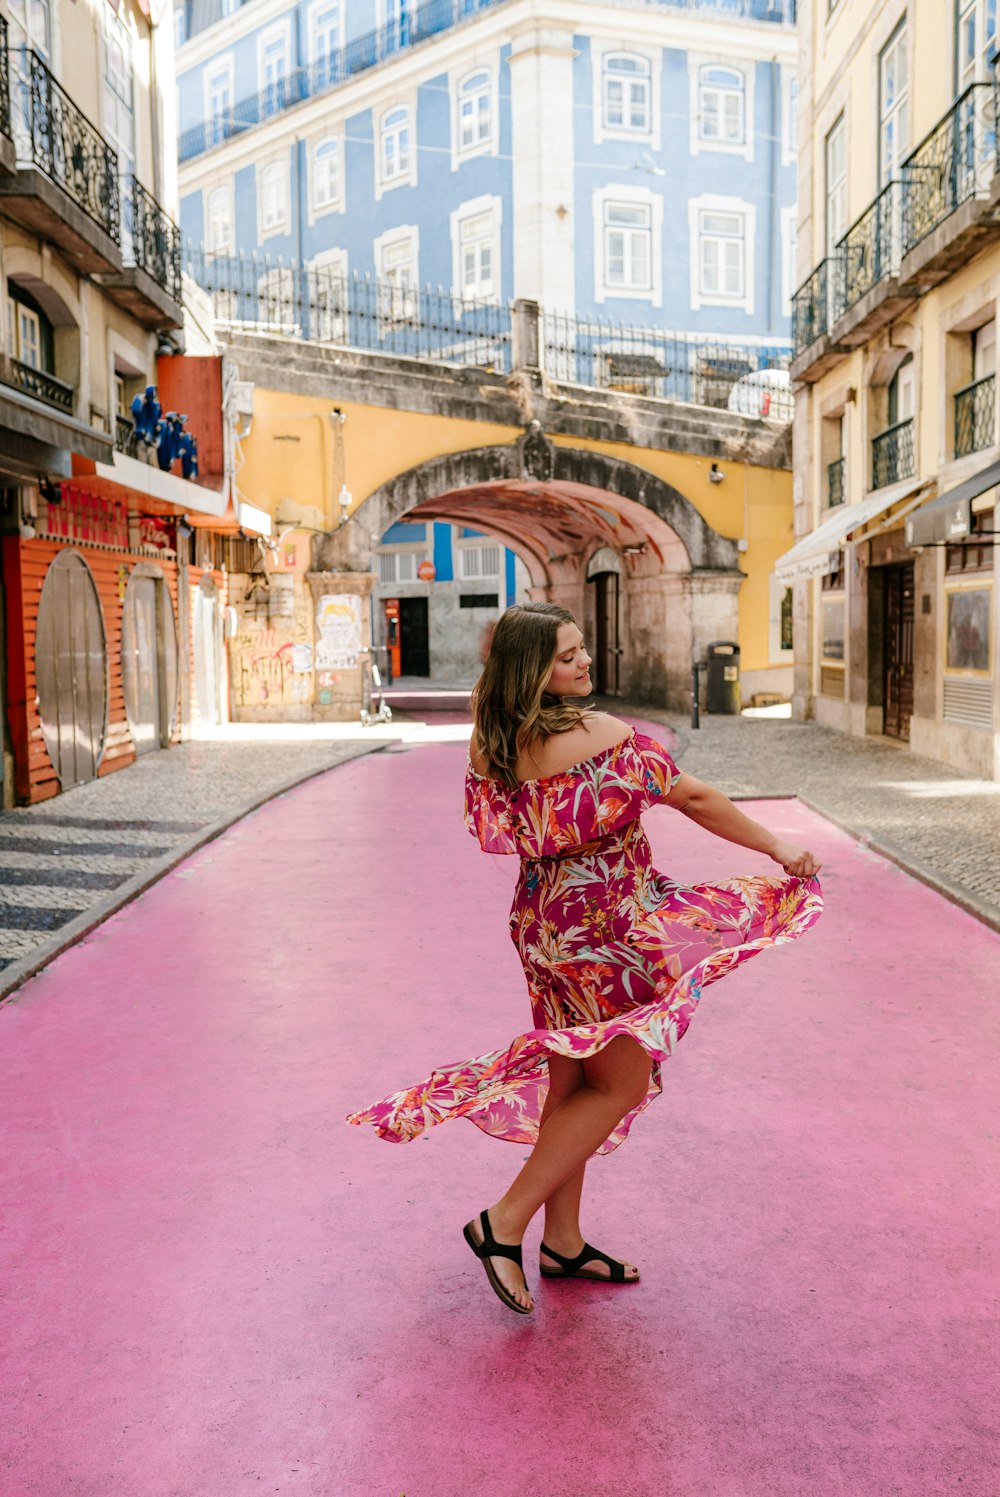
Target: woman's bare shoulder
598,731
476,756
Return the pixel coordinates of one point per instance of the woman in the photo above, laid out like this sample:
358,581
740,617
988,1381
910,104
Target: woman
615,954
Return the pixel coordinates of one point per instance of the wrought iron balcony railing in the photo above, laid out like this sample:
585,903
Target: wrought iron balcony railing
51,133
39,383
869,251
429,19
150,238
975,416
126,436
5,125
835,482
812,304
955,162
893,454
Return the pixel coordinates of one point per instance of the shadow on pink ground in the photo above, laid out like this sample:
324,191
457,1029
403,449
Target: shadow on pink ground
213,1287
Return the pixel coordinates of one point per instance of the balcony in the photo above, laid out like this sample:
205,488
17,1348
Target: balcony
149,285
429,19
835,482
8,156
813,306
868,294
948,213
37,383
975,416
893,454
65,186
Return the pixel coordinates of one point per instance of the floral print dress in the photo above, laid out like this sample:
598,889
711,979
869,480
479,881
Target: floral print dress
609,945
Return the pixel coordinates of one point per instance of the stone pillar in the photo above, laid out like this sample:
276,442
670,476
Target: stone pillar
525,348
342,631
541,83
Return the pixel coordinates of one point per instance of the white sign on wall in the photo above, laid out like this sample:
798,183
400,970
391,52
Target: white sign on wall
338,631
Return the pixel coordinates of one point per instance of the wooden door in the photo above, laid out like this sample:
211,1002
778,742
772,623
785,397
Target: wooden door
607,647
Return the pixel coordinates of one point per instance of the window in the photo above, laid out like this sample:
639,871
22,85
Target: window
721,106
626,93
219,100
325,175
977,41
894,107
976,553
331,292
326,42
721,255
395,145
392,21
180,25
273,197
30,26
396,268
119,115
475,111
273,71
478,561
836,185
628,246
398,566
29,333
789,254
220,221
476,249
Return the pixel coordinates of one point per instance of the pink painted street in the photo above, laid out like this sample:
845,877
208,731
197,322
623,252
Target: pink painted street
212,1286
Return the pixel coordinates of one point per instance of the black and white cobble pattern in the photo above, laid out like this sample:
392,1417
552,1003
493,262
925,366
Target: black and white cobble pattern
67,856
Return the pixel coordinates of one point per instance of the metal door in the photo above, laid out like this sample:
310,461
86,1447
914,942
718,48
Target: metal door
899,594
71,670
149,658
607,648
415,655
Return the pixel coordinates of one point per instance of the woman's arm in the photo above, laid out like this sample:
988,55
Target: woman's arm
716,813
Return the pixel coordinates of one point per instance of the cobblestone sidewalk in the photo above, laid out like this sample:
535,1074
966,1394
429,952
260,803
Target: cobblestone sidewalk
941,824
70,861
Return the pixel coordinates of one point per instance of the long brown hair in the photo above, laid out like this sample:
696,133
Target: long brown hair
510,706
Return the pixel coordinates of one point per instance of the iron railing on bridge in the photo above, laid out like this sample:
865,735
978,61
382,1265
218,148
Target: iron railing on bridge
385,316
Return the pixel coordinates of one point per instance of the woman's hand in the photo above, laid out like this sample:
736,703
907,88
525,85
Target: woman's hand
796,860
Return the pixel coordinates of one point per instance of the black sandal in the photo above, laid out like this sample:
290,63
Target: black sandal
490,1248
572,1267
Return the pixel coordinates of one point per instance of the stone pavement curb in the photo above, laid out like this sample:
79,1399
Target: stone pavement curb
16,975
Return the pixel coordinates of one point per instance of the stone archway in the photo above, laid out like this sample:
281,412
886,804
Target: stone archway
555,506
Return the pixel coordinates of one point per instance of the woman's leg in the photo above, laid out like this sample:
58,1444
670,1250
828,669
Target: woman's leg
578,1121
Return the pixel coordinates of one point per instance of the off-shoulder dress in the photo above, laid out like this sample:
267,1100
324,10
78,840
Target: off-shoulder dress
609,945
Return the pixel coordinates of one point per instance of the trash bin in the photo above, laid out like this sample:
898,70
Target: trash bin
723,676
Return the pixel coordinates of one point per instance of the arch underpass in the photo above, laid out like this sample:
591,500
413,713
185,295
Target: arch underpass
649,579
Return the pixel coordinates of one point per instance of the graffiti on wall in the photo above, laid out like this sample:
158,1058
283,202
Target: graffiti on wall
266,666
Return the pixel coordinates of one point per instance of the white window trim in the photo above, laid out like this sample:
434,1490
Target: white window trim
650,138
789,76
775,592
282,29
748,67
468,543
284,224
490,146
213,71
225,184
335,261
708,201
789,218
410,232
311,14
653,201
337,205
405,179
471,209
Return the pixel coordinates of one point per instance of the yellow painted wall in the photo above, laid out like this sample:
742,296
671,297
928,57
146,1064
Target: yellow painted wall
295,462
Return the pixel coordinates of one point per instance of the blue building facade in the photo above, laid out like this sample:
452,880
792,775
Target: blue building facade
634,164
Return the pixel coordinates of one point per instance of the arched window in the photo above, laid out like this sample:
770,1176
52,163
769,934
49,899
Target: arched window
220,222
475,111
627,93
395,144
326,174
273,196
722,105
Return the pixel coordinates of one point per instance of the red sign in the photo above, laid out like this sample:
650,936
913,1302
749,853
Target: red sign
427,571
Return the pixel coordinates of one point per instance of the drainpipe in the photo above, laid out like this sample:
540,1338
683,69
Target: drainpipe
772,189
